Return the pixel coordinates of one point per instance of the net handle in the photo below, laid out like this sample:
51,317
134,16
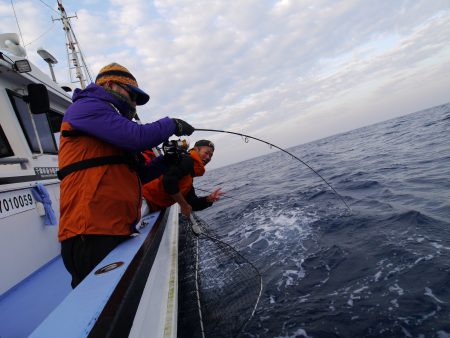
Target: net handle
195,227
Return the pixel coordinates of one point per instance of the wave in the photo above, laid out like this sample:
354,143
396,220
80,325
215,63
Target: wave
381,270
412,217
321,193
361,185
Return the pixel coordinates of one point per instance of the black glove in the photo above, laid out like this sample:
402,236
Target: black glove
183,128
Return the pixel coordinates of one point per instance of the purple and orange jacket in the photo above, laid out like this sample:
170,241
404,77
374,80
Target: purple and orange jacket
104,199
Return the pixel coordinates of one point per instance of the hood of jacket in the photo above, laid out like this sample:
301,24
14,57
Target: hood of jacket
199,167
98,92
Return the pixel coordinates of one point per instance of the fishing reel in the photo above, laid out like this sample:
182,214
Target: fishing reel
174,149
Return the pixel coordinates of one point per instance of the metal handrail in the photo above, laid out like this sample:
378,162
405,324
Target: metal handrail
16,160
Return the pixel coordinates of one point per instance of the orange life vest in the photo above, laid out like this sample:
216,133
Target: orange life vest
102,200
154,191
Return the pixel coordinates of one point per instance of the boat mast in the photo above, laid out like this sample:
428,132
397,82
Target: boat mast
73,50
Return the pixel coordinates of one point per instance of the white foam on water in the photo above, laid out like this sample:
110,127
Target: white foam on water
402,267
361,289
277,232
396,288
429,293
395,302
303,299
393,271
272,299
443,334
291,277
428,315
277,220
406,332
285,220
296,334
425,258
352,298
377,276
404,320
439,246
322,282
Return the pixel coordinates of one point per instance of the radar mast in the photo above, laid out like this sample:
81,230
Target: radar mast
77,65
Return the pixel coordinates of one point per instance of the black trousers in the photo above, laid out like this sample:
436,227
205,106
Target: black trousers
82,253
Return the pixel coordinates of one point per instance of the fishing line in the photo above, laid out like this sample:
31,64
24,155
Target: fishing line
40,36
47,5
246,137
18,26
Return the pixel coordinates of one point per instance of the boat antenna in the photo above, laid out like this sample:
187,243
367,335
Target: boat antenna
246,139
17,22
74,53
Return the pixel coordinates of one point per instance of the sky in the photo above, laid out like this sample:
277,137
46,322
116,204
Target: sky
287,71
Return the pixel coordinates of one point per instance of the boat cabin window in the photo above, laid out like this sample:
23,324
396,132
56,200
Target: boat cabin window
47,126
5,148
55,120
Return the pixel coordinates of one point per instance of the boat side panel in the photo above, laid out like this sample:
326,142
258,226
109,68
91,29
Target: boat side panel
26,244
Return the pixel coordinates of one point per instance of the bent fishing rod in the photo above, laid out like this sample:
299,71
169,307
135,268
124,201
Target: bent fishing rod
246,137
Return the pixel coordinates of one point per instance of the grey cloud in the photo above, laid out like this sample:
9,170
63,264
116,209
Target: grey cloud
275,68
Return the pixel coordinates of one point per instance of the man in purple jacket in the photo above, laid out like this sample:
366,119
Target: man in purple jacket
100,189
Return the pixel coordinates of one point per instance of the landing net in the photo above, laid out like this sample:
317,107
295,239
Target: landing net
219,289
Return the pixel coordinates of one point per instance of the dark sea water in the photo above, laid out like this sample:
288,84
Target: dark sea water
381,270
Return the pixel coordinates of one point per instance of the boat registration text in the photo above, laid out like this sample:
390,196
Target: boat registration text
14,202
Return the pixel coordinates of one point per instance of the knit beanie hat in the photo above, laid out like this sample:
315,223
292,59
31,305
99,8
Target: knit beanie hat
119,74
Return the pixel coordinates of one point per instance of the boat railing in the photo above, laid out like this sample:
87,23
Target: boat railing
17,160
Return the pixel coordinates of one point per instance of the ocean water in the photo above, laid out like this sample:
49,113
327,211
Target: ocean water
381,270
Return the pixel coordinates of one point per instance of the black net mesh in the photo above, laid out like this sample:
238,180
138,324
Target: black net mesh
229,286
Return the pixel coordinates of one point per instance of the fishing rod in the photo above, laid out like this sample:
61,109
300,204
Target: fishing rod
246,137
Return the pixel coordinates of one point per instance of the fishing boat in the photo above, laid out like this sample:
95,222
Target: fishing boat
132,292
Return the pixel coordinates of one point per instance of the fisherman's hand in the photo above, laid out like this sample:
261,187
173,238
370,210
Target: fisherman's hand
183,128
186,209
215,195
